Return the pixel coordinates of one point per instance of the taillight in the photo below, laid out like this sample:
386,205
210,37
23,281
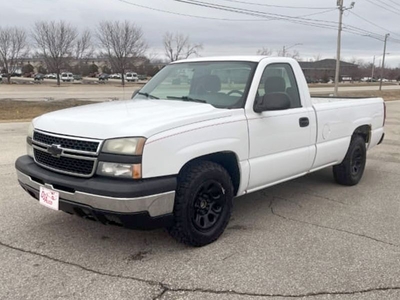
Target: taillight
384,113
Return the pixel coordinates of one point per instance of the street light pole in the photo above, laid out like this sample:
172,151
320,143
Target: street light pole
339,41
383,61
286,48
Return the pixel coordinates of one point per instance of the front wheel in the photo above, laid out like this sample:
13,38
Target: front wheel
203,204
351,170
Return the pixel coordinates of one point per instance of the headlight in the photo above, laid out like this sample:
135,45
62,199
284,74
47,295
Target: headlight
120,170
130,146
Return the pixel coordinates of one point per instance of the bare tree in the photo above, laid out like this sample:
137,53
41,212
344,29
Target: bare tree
317,57
84,46
55,42
178,46
265,51
122,42
293,54
13,46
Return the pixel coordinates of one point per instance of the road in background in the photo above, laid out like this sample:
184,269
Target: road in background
308,238
101,92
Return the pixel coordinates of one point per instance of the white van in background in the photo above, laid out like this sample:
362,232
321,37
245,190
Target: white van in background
132,77
66,76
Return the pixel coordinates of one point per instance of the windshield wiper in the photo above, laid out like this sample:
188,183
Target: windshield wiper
148,95
186,98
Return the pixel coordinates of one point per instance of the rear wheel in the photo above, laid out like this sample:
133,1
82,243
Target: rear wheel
203,204
351,170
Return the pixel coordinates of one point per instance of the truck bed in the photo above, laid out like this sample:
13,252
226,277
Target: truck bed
338,118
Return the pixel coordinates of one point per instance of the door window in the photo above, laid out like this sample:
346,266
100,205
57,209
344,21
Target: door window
279,78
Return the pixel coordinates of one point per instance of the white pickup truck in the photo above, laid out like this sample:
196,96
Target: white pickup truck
178,153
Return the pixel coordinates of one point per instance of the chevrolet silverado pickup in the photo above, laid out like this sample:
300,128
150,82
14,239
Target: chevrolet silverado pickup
198,134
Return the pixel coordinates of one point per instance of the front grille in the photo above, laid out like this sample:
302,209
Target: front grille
64,164
66,143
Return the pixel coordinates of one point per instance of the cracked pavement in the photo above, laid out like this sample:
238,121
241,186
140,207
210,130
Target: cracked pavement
308,238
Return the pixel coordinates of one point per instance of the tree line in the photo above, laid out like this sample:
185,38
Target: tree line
120,43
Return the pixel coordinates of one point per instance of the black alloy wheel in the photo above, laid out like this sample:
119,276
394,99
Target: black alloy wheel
208,205
351,169
203,203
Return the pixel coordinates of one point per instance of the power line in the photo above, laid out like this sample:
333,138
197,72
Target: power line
376,25
185,15
394,2
390,5
246,11
278,6
298,20
385,8
211,18
263,16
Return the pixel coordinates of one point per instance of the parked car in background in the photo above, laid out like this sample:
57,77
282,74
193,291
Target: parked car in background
142,77
50,76
66,76
38,77
115,76
77,77
131,77
103,77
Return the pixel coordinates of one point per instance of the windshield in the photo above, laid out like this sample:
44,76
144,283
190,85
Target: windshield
221,84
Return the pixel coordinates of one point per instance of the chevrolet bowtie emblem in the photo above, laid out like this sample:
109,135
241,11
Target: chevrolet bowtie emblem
54,150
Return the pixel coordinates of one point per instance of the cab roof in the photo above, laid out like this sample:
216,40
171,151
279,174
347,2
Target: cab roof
250,58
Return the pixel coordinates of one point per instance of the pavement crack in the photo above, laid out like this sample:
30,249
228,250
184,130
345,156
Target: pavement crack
167,288
332,228
324,198
150,282
161,294
282,295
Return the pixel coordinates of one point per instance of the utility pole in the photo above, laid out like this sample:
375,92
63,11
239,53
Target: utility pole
373,69
383,60
284,51
339,41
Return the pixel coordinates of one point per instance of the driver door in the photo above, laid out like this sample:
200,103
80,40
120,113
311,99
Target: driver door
281,141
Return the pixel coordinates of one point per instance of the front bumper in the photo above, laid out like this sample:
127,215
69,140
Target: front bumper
107,200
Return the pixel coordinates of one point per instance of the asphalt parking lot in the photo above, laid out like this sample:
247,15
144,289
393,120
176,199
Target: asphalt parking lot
308,238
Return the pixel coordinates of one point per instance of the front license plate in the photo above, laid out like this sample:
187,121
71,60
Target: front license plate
48,198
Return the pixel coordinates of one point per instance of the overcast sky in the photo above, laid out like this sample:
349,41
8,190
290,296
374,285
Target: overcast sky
227,37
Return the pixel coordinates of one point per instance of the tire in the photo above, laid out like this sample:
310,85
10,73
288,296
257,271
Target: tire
203,204
351,170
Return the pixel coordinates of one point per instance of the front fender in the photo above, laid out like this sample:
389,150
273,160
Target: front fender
166,153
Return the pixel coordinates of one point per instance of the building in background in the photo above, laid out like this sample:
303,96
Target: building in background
324,70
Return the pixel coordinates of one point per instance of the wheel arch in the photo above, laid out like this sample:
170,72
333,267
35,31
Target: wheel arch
227,159
364,131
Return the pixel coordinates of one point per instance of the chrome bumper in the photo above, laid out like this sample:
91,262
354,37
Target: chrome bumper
155,205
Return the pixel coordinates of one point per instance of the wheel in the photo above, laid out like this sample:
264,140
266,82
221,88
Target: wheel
350,171
203,204
235,92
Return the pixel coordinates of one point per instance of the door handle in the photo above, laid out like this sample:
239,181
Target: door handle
304,122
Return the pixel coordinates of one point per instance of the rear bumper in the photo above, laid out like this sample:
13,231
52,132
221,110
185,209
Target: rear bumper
134,204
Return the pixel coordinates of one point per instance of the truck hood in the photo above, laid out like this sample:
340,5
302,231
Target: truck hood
127,118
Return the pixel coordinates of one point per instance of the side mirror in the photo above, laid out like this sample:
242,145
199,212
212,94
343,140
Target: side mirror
135,93
272,101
